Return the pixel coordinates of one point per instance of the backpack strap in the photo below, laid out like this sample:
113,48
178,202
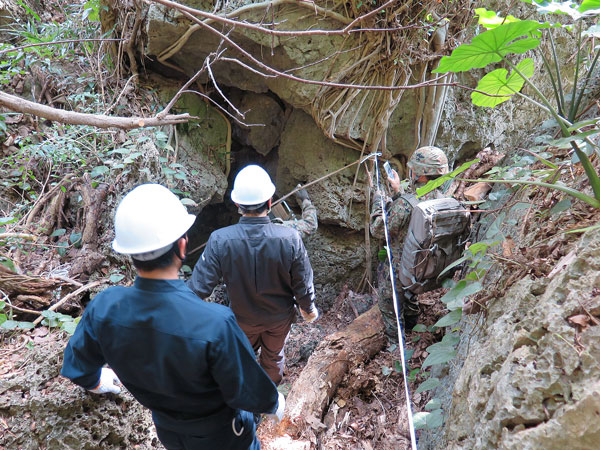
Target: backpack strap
411,199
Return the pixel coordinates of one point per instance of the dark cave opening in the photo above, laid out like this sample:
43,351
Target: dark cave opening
243,153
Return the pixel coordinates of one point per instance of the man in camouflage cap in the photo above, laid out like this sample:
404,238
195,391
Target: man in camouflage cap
426,163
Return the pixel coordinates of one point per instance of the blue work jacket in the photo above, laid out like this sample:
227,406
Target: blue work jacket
178,355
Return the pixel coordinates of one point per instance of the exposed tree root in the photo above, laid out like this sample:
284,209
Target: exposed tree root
488,159
93,203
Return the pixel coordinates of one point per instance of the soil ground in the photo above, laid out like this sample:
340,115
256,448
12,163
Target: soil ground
369,409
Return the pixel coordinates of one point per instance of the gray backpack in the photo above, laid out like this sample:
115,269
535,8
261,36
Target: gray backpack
436,237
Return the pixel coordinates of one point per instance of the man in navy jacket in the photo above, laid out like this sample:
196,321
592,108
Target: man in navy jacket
185,359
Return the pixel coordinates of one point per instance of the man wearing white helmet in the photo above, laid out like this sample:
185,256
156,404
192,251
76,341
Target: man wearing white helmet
265,268
184,359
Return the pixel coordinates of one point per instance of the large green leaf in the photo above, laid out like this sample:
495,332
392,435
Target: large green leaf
428,384
491,46
455,296
497,83
489,19
428,420
586,5
440,357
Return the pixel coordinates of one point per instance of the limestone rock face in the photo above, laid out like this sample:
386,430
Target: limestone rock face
530,379
265,118
199,149
44,410
305,154
337,257
165,26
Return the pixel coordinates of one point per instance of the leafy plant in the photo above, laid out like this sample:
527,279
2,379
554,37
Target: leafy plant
7,322
507,37
53,319
476,259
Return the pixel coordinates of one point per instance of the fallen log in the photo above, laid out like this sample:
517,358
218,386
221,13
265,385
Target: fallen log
12,283
337,355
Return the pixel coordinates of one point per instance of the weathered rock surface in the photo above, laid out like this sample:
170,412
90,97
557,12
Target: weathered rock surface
530,379
199,149
41,409
265,118
337,257
305,154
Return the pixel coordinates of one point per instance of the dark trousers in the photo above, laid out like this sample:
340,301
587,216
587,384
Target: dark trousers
270,339
237,435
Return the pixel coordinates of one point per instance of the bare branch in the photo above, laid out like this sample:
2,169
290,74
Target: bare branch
225,19
250,68
18,104
209,18
236,23
210,73
164,112
116,102
223,109
68,297
369,14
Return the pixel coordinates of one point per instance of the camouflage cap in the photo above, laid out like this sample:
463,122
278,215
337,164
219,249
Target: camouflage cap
428,161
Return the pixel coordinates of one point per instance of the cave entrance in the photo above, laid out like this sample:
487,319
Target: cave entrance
257,143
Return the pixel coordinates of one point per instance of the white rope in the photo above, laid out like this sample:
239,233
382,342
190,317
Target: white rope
411,425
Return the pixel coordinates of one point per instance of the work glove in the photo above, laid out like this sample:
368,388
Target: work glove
301,195
108,382
278,415
310,316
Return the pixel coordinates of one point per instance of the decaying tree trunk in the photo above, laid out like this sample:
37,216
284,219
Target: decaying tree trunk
93,202
338,354
12,283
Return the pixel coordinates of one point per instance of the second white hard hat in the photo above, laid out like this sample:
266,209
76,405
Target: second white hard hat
252,186
148,220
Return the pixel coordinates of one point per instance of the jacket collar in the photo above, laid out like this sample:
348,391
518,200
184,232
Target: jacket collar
150,284
248,219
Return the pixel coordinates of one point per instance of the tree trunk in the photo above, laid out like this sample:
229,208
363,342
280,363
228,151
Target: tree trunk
338,354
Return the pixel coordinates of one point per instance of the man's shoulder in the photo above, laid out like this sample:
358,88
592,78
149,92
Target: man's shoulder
225,230
286,232
108,296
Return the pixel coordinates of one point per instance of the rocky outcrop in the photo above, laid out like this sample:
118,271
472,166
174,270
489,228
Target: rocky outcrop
305,154
41,409
338,258
530,379
265,118
198,149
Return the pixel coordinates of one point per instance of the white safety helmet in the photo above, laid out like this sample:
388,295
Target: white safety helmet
252,186
148,220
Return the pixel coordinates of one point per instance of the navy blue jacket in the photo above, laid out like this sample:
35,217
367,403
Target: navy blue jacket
265,268
178,355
